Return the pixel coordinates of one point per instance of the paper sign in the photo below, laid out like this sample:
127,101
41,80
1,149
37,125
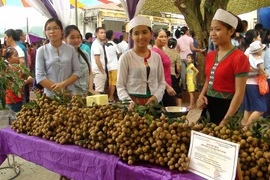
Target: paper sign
212,158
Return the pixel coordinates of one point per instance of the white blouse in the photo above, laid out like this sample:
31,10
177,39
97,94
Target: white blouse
132,76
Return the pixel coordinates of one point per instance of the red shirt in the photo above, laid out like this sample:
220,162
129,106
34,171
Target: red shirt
10,95
234,64
166,65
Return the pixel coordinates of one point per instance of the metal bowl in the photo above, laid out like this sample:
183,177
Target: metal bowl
175,111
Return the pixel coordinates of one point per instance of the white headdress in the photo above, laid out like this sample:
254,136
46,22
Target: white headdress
226,17
139,20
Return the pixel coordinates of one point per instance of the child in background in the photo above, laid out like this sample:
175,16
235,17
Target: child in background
255,104
255,59
191,73
14,102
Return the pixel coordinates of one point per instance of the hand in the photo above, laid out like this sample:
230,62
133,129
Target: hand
170,91
92,91
131,106
151,100
202,50
28,80
222,123
202,102
58,86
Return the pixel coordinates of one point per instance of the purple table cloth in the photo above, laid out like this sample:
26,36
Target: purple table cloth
79,163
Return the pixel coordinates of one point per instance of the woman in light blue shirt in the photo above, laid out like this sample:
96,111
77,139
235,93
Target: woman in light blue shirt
57,64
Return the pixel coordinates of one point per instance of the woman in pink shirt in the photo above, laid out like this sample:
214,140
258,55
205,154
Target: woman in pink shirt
161,39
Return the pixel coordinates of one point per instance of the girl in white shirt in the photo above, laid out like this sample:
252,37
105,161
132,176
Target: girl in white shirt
140,75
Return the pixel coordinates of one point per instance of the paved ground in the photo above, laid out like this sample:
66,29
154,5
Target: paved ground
31,171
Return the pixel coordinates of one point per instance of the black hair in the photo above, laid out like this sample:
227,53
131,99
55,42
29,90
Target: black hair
192,33
88,35
11,33
191,55
109,34
84,58
157,31
264,37
121,38
19,33
57,21
177,33
99,28
9,52
168,33
116,40
69,28
258,27
184,29
172,43
67,31
244,24
248,39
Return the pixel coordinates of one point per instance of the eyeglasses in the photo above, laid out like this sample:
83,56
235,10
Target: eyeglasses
53,29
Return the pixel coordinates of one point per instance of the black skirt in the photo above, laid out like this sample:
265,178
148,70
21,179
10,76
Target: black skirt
176,86
217,109
168,100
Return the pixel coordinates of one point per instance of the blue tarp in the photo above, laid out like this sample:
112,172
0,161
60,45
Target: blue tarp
264,17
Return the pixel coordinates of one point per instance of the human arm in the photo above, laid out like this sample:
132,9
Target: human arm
261,69
253,69
90,83
240,86
177,48
40,69
161,80
22,61
152,99
122,78
170,90
98,62
196,72
202,100
194,48
118,51
178,67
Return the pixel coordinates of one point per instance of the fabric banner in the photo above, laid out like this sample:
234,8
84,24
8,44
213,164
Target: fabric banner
33,38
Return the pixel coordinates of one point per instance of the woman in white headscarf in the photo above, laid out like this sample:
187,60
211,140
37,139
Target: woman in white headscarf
140,75
226,71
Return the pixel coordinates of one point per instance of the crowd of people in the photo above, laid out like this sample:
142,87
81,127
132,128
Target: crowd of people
144,74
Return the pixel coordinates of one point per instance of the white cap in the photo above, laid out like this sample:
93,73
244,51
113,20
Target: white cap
256,46
226,17
139,20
